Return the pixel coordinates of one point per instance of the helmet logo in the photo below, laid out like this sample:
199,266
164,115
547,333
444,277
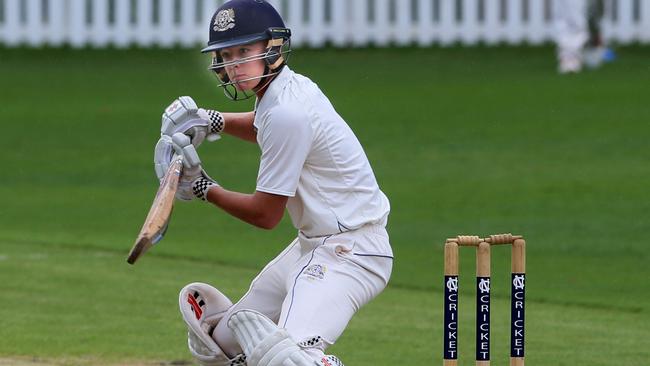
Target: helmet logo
224,20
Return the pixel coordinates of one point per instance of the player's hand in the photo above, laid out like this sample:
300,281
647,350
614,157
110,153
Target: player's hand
184,116
194,182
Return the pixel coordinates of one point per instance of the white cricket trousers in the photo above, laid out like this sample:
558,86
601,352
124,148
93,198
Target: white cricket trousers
315,285
571,27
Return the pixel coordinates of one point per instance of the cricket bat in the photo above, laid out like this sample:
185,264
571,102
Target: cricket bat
160,212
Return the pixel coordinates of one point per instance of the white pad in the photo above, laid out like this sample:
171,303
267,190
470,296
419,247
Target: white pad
202,307
330,360
264,343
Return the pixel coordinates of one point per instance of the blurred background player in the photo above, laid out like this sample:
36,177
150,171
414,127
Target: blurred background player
596,51
311,165
579,37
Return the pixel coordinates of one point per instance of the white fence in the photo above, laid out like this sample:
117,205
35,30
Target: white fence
167,23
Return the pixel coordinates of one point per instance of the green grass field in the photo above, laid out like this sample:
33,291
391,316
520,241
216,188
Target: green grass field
482,140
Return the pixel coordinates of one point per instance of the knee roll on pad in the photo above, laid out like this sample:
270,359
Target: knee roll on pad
202,307
265,344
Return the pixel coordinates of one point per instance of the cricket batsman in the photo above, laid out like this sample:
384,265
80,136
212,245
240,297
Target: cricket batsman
312,165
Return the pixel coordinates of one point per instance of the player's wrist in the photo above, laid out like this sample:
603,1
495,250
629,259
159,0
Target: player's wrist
217,122
201,186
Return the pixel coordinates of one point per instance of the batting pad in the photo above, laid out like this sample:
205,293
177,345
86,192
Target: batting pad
264,343
202,307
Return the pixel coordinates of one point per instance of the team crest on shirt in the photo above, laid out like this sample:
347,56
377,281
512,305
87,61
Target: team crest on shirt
224,20
315,271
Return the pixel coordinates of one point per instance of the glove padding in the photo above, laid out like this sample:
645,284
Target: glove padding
184,116
163,155
194,182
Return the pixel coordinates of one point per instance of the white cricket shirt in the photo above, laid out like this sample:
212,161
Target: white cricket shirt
312,156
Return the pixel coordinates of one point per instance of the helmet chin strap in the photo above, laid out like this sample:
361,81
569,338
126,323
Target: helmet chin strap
265,80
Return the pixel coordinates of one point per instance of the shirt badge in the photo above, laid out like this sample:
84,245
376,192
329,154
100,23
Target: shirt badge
315,271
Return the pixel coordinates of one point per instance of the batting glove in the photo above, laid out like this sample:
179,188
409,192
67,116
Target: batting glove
194,182
183,116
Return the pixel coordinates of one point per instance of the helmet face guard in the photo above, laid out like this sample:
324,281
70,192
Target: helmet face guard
242,22
275,56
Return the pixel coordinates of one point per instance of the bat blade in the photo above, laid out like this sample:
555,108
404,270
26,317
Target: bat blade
155,225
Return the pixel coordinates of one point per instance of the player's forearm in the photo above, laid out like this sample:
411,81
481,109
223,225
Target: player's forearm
245,207
240,125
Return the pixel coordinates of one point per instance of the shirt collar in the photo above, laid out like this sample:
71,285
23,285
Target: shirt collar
275,88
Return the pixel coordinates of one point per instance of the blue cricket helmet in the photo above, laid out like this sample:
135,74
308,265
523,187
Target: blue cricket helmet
239,22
